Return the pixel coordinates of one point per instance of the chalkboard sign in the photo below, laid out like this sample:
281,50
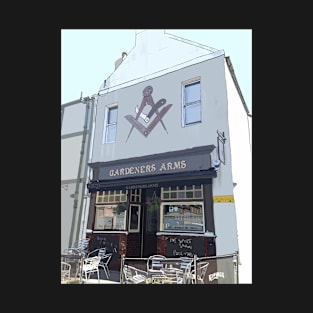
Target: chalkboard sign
111,243
184,247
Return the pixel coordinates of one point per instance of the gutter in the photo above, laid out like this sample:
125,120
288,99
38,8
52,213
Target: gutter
232,73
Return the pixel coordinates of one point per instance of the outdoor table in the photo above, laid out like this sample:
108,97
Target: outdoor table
77,259
164,276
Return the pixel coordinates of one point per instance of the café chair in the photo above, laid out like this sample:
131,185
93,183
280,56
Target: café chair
133,275
90,266
82,245
173,275
201,271
65,271
186,266
73,256
104,262
105,259
154,263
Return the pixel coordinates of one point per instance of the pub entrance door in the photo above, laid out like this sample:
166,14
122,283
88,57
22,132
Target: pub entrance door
150,210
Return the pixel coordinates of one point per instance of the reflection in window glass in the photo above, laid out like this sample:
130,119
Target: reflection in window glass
198,194
189,194
192,114
181,194
187,216
173,195
192,103
109,217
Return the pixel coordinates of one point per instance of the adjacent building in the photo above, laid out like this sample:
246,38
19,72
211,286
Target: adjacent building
76,132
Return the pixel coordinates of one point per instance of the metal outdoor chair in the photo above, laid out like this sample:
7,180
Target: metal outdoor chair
74,257
133,275
154,262
173,275
201,271
65,271
82,245
91,266
104,262
105,259
186,267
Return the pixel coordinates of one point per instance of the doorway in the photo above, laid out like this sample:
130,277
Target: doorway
149,225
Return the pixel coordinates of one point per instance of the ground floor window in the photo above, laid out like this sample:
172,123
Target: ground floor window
111,217
182,192
113,211
180,215
107,196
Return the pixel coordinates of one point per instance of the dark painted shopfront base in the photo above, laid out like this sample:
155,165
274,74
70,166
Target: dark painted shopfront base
129,245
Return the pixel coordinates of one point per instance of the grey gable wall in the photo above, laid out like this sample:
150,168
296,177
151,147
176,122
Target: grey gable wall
214,110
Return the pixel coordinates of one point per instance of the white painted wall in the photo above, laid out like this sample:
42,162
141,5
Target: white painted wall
156,53
241,153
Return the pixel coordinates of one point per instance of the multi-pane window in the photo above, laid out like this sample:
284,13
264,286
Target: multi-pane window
109,196
135,195
111,210
182,217
182,192
191,103
182,209
110,217
111,124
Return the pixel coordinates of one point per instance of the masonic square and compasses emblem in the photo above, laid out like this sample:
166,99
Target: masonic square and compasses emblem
147,117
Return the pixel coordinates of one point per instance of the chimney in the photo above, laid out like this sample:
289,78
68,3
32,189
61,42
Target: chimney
120,60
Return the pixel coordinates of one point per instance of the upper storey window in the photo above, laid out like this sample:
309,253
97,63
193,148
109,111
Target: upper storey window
191,103
111,124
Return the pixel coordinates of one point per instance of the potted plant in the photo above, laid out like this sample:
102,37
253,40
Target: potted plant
153,204
120,208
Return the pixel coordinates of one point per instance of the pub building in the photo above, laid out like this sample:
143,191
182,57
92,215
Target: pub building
160,179
158,204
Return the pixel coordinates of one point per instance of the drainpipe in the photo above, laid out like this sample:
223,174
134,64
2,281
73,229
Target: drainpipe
85,197
76,222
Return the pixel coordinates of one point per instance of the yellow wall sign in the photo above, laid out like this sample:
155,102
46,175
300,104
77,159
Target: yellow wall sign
223,198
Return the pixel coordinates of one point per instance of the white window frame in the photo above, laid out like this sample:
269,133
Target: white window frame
106,123
185,105
179,219
111,196
107,218
134,230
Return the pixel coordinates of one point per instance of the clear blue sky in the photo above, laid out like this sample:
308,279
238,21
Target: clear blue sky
88,56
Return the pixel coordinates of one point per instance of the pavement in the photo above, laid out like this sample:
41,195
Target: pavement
114,278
